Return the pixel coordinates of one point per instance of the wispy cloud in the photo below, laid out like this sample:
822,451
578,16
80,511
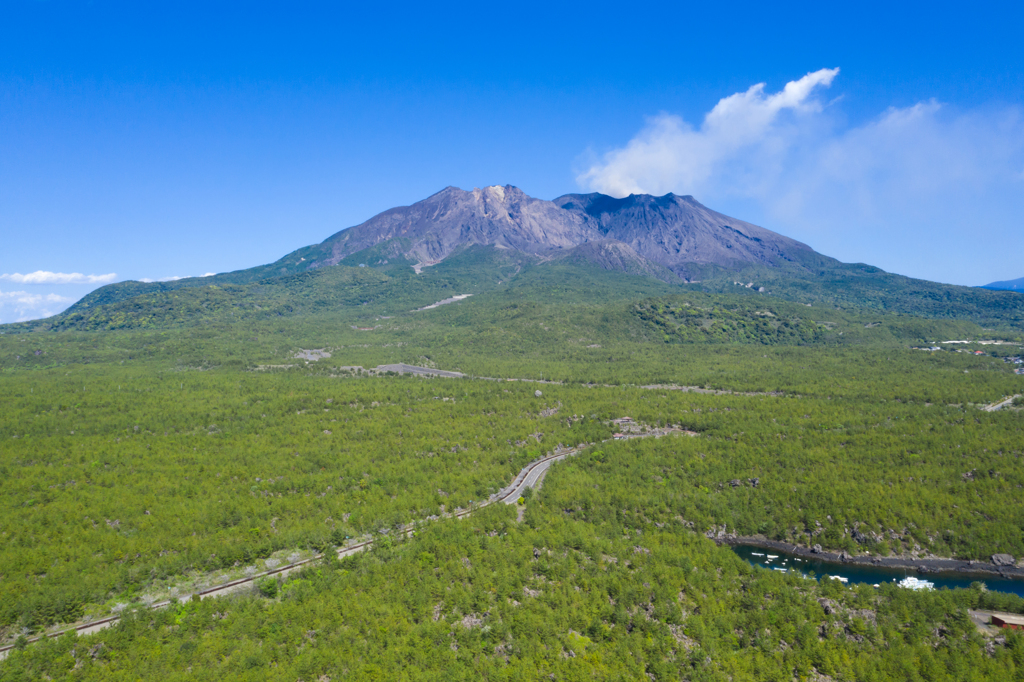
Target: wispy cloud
21,305
45,277
45,301
926,190
670,154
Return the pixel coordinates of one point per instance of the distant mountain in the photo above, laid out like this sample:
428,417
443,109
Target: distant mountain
642,234
1010,285
579,247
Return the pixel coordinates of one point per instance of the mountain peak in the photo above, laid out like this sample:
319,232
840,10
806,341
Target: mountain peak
672,231
495,190
498,192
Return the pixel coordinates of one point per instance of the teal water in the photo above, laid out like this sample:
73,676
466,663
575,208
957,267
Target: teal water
856,574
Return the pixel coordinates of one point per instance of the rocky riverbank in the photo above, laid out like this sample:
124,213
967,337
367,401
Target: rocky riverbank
997,567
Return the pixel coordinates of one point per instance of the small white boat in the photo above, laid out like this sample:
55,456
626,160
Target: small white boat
912,583
773,556
783,570
840,578
756,554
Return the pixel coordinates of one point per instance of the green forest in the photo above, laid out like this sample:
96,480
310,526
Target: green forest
553,595
157,441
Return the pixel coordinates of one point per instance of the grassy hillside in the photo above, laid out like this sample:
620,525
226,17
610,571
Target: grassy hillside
376,280
855,286
703,318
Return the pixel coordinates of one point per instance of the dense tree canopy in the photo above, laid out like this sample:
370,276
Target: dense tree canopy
144,463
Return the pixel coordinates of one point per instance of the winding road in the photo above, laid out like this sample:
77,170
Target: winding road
528,477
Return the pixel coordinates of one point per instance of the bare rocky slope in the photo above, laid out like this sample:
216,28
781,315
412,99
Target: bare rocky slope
680,233
496,234
639,234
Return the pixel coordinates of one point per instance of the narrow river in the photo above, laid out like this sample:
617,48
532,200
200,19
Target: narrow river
855,573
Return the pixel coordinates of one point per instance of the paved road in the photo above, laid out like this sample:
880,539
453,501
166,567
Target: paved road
1000,405
528,477
533,476
982,620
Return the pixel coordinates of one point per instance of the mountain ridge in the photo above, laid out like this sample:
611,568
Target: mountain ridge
589,247
1007,285
670,233
678,231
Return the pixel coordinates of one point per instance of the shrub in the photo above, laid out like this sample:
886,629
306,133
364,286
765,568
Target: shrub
268,587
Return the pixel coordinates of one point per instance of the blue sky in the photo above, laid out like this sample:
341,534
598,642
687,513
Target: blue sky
157,140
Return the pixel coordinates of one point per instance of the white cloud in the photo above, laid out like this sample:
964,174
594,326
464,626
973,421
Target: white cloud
26,298
927,190
44,277
923,190
18,306
670,154
49,298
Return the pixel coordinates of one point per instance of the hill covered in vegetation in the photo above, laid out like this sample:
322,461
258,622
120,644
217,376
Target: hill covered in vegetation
845,295
160,438
148,455
589,248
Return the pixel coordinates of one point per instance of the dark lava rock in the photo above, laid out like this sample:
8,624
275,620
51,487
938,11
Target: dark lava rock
1002,560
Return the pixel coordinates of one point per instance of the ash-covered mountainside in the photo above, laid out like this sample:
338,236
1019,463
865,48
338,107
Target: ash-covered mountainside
430,230
500,237
640,233
679,232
